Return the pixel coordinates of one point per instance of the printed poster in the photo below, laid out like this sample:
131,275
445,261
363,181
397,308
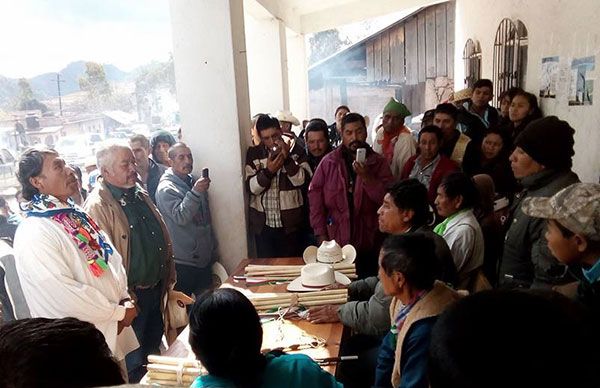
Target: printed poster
549,77
581,90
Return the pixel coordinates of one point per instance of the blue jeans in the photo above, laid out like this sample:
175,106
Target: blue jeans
193,280
148,327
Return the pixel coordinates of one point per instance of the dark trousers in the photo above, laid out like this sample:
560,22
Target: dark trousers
274,242
148,327
358,373
193,280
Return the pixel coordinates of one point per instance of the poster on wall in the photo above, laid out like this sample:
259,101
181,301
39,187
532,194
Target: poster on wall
549,77
581,88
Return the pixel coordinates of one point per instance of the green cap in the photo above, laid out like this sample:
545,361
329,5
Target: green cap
397,107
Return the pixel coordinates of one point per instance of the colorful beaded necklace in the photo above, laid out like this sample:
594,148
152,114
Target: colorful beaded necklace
82,229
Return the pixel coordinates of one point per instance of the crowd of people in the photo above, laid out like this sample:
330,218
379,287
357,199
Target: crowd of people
475,242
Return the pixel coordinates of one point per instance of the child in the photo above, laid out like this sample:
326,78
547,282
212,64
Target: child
573,234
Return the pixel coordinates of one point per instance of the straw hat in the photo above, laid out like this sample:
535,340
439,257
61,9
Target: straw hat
463,94
315,277
286,115
329,252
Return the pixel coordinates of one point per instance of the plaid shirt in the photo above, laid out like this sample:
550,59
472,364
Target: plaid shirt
271,204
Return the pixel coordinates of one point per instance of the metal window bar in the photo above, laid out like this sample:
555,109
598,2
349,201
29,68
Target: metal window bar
510,52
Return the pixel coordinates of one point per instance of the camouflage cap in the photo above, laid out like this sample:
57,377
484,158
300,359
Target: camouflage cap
576,207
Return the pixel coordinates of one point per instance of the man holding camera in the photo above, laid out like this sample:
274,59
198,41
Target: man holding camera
276,169
345,193
183,202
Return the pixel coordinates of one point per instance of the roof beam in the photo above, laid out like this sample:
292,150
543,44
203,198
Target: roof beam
290,17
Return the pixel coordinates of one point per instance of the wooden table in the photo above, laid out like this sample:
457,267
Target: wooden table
331,333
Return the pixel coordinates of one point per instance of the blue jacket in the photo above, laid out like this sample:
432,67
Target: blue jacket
187,216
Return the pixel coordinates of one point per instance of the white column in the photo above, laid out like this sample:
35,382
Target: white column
267,70
297,70
212,89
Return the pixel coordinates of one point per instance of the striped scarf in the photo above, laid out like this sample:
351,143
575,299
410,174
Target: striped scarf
403,314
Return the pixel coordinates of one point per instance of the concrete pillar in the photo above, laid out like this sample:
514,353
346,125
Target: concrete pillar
267,69
297,70
212,88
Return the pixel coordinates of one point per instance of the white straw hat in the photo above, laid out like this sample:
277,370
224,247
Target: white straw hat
330,252
315,277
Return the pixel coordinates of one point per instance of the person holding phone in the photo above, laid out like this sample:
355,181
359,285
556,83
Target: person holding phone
183,202
276,170
346,192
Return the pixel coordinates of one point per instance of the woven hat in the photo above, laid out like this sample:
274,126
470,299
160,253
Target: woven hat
463,94
286,115
315,277
330,252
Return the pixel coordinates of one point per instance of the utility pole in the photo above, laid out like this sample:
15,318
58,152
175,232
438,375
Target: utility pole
58,81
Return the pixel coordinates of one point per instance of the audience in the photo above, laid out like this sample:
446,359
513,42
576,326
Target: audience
55,353
160,142
407,270
477,115
125,212
275,175
523,110
404,210
498,339
226,336
492,159
493,233
542,163
455,145
573,235
287,120
66,265
344,195
149,171
394,141
317,142
335,129
183,203
457,195
505,98
429,166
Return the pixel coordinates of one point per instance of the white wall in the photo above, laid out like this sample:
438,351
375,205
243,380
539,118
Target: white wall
568,29
267,71
212,89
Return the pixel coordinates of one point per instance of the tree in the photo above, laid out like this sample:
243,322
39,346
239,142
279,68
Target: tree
25,100
324,44
94,82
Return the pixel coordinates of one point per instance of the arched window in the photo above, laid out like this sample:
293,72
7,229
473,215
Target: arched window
472,59
510,56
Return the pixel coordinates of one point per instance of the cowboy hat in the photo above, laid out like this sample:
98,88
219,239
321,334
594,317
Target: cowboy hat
315,277
286,115
329,253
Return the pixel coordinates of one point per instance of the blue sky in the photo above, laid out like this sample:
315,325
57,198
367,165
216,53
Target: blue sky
45,35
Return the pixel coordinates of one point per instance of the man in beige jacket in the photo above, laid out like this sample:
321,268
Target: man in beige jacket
125,212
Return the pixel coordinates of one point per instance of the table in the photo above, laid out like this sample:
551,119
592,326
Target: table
331,333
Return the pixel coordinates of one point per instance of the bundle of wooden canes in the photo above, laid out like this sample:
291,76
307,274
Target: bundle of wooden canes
272,301
172,371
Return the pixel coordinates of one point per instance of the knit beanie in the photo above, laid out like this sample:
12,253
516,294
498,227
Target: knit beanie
161,135
549,141
397,107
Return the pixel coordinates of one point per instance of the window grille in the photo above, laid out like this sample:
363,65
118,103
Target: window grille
472,60
510,56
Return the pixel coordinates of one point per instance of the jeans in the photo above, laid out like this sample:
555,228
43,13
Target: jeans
193,280
385,361
148,327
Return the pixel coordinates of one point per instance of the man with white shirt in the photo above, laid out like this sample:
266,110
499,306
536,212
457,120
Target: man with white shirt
67,266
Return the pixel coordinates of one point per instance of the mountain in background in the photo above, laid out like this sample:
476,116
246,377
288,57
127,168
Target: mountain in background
44,85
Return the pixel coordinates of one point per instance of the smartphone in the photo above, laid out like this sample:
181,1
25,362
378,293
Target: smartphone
204,173
361,155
